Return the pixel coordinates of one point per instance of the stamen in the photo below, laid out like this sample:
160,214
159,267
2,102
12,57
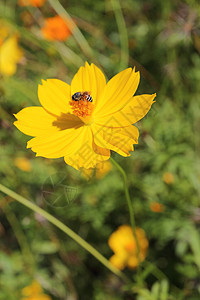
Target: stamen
82,108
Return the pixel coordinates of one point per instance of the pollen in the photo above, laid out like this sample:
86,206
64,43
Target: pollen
82,108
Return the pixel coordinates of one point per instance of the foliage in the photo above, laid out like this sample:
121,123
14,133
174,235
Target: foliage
164,45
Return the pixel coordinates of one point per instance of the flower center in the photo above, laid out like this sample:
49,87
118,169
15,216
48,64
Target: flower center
82,105
130,247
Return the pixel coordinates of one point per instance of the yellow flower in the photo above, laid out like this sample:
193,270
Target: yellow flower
168,178
86,120
10,52
100,170
34,292
23,164
157,207
123,244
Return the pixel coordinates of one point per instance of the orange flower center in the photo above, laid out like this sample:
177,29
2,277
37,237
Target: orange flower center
82,108
130,247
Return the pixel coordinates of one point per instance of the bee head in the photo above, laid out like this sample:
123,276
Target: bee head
77,96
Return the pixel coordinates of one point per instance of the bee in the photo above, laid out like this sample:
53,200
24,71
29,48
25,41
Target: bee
85,96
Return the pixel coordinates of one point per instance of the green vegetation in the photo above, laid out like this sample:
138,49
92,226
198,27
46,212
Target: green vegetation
162,39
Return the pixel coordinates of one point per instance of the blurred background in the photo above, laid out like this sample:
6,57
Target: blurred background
162,40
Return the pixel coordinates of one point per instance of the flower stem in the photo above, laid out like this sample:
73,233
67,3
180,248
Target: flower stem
122,34
79,37
26,251
130,206
65,229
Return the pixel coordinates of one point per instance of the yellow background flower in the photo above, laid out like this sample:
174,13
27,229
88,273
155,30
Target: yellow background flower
168,178
23,164
124,246
84,132
99,172
10,52
34,292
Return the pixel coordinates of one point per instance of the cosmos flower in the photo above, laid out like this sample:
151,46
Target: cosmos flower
84,131
157,207
168,178
34,292
123,244
56,29
10,52
23,164
101,170
35,3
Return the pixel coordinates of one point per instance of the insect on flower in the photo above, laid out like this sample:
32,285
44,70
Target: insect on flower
85,96
84,121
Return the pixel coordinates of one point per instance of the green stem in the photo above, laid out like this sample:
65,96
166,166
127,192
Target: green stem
79,37
130,206
26,251
122,33
65,229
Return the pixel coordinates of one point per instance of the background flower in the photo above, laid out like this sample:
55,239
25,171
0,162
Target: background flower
23,164
10,52
56,28
36,3
123,244
99,171
34,292
157,207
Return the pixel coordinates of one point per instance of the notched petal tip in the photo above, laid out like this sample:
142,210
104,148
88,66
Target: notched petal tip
87,64
28,146
43,82
154,96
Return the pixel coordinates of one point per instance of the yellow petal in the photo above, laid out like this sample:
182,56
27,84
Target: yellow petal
118,261
54,95
132,132
113,139
87,155
59,144
132,262
119,238
135,110
33,289
117,92
10,54
89,79
35,121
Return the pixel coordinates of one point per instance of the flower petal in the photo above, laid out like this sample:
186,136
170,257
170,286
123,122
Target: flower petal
113,139
35,121
117,92
132,262
87,154
89,79
10,55
118,261
59,144
135,110
54,95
